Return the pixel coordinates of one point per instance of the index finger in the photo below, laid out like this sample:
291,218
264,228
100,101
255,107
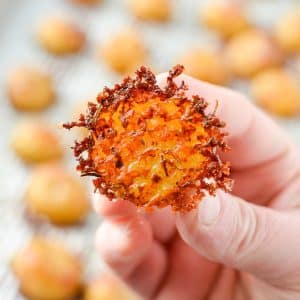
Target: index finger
254,138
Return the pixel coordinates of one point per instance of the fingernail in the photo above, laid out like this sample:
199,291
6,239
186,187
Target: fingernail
209,210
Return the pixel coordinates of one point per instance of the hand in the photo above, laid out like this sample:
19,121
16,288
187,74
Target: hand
240,246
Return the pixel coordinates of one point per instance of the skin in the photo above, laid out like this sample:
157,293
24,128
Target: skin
243,245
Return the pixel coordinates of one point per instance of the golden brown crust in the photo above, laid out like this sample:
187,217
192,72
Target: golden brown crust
152,146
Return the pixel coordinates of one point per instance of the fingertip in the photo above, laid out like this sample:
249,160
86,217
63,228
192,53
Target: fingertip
123,242
207,228
187,223
209,211
163,223
112,208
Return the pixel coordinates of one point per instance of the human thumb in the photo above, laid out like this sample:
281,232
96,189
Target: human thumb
244,236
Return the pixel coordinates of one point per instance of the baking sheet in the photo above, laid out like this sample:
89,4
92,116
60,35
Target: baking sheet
78,78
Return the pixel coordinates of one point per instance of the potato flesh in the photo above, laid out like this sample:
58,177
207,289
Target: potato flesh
156,150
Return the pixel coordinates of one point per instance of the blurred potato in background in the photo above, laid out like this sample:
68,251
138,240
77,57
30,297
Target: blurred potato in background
124,51
47,270
87,2
108,287
57,195
60,36
151,10
287,31
35,141
30,89
205,64
251,52
278,92
226,18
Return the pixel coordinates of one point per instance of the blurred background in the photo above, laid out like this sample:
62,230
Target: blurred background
55,56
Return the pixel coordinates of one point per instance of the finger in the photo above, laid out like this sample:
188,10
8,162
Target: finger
244,236
148,275
126,246
162,221
254,138
115,208
124,242
163,224
189,277
289,198
261,183
225,285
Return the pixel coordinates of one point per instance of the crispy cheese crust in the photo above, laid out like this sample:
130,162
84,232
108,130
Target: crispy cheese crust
152,146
